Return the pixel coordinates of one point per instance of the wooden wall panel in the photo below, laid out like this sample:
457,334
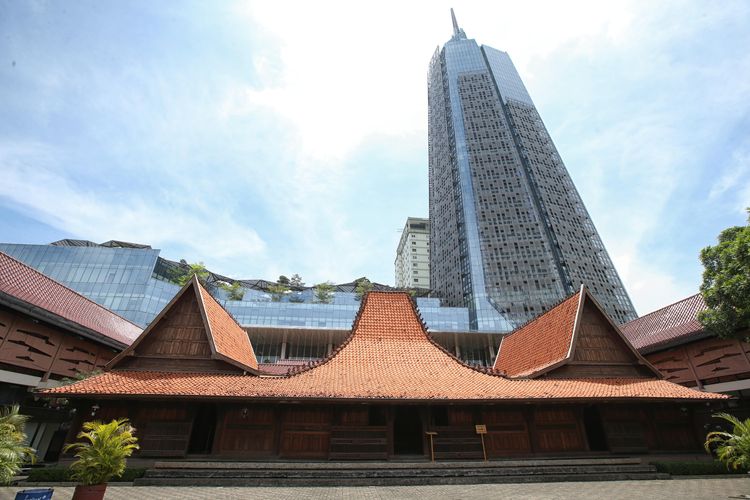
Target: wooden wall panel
359,442
507,432
673,429
305,432
248,433
625,428
304,444
163,430
559,430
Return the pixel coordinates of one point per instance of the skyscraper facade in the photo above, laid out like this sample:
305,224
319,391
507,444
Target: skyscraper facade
510,236
412,262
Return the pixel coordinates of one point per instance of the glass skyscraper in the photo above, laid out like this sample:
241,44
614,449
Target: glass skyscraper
510,236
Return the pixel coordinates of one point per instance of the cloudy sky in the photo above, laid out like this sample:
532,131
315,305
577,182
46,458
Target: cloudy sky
278,137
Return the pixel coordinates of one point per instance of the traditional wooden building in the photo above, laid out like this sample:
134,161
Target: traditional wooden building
49,332
674,341
567,383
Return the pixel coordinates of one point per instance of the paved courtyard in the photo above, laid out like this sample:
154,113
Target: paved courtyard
705,488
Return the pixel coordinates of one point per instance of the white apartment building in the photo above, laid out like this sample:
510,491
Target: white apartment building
413,255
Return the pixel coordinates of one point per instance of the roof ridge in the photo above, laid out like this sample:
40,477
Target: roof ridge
423,326
648,315
557,304
313,364
39,273
486,370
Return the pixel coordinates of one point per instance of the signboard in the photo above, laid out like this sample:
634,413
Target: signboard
481,429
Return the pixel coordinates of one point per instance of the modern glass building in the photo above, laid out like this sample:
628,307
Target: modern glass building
133,281
510,236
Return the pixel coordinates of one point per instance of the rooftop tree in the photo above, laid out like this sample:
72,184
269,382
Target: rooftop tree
726,283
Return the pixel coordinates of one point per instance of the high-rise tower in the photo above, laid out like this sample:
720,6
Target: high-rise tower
510,235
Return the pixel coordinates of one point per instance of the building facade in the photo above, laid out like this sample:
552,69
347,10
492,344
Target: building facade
674,341
388,392
49,333
135,282
510,235
413,255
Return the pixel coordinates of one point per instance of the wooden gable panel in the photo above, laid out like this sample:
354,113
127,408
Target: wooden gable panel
180,333
597,340
674,365
6,320
715,357
599,351
30,345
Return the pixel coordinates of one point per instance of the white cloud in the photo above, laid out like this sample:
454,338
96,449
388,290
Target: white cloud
30,181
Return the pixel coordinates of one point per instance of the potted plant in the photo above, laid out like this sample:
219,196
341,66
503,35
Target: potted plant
13,452
102,454
731,448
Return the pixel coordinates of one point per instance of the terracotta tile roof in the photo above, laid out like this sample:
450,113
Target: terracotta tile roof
673,324
229,339
388,356
281,368
23,284
540,343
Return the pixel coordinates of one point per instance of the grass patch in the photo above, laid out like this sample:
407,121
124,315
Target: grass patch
695,468
62,474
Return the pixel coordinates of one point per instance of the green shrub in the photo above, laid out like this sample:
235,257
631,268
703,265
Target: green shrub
103,453
695,468
63,474
731,448
13,452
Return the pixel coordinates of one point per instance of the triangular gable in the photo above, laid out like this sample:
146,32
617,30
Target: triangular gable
388,357
599,348
540,344
230,341
192,333
575,339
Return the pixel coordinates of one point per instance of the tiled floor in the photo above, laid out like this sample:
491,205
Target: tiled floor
705,488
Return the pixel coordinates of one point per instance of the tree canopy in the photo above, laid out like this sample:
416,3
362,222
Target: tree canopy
324,292
363,286
726,283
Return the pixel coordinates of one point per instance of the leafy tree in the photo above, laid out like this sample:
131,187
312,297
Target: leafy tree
103,451
186,272
324,292
731,448
726,283
13,452
283,280
363,286
234,291
296,281
277,291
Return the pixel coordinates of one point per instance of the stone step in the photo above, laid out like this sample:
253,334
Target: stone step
395,473
397,481
187,464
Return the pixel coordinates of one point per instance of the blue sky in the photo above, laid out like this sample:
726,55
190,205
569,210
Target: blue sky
278,137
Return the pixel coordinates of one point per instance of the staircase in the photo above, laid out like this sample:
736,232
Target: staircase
395,473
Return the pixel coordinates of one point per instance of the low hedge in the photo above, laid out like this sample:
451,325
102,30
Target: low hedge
62,474
695,468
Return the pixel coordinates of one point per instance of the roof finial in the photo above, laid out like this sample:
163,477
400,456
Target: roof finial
457,32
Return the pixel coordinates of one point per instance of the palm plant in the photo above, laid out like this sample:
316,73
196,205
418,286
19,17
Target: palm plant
732,448
13,452
103,452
